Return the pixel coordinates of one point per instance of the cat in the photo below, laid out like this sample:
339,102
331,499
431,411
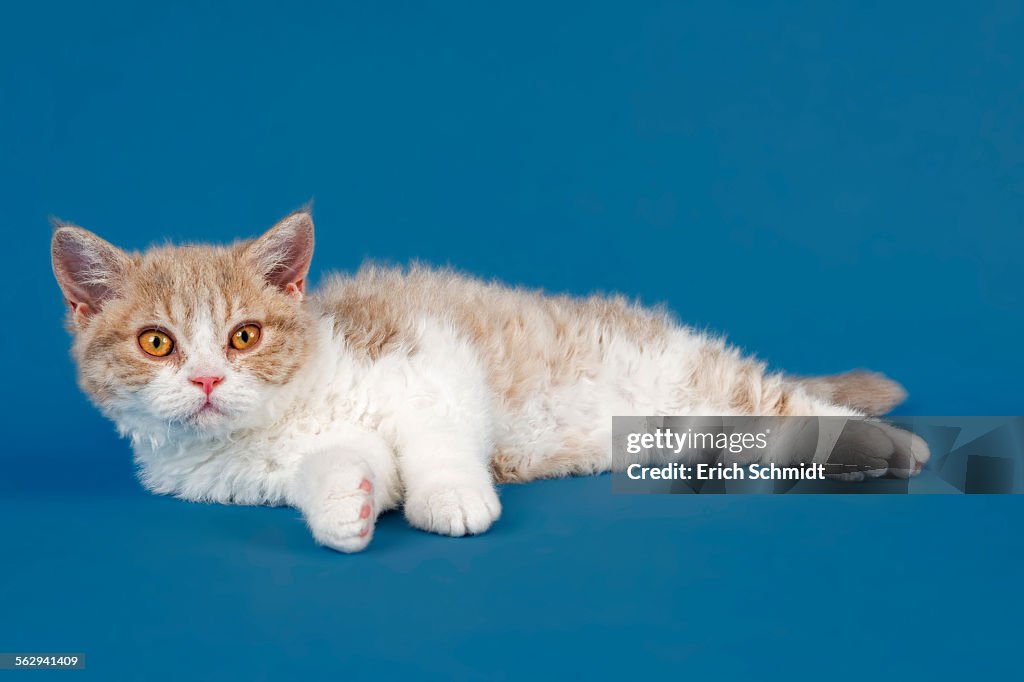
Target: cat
413,387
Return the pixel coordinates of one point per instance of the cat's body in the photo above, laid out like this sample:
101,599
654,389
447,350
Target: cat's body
418,388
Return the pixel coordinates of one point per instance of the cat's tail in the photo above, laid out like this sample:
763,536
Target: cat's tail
870,392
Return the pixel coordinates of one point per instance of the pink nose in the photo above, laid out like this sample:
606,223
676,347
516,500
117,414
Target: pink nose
207,383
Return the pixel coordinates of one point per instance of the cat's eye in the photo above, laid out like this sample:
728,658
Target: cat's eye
245,337
156,343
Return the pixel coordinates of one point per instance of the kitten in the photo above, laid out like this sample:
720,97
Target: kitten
419,388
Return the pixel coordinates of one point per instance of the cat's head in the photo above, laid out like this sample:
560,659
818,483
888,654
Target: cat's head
195,338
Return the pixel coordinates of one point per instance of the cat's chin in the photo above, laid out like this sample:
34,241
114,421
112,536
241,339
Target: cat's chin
213,420
204,423
207,417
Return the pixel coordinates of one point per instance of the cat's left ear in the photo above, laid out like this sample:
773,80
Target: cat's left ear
284,252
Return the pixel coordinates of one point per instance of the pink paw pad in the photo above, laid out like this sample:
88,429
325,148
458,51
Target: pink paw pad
366,486
364,513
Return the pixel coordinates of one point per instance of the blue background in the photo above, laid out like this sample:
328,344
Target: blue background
833,184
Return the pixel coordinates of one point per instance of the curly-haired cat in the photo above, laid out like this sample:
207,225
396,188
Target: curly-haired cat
418,388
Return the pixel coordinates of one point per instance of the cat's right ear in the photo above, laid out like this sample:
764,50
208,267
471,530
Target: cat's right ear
88,269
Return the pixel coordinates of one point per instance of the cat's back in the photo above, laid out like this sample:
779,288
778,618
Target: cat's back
381,310
523,336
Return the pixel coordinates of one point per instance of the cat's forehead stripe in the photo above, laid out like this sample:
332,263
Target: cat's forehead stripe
190,285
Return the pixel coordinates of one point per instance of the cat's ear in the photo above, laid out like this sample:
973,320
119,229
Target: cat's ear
283,253
88,269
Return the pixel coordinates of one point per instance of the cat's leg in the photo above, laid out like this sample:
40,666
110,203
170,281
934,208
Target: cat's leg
448,485
343,485
444,433
858,447
727,382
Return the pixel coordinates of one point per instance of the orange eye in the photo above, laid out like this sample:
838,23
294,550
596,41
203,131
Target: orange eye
156,343
245,337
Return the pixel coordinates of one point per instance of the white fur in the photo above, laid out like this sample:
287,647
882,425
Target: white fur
419,427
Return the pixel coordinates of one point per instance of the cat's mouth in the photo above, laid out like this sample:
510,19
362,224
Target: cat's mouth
207,414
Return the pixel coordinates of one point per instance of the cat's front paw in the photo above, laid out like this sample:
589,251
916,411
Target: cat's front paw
343,517
868,449
453,509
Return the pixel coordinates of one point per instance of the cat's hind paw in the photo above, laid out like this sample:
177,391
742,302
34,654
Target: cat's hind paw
450,509
868,449
343,519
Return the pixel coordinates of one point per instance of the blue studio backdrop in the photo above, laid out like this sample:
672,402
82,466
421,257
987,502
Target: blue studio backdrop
833,185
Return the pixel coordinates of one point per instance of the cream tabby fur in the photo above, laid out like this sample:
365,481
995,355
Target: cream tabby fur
418,388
